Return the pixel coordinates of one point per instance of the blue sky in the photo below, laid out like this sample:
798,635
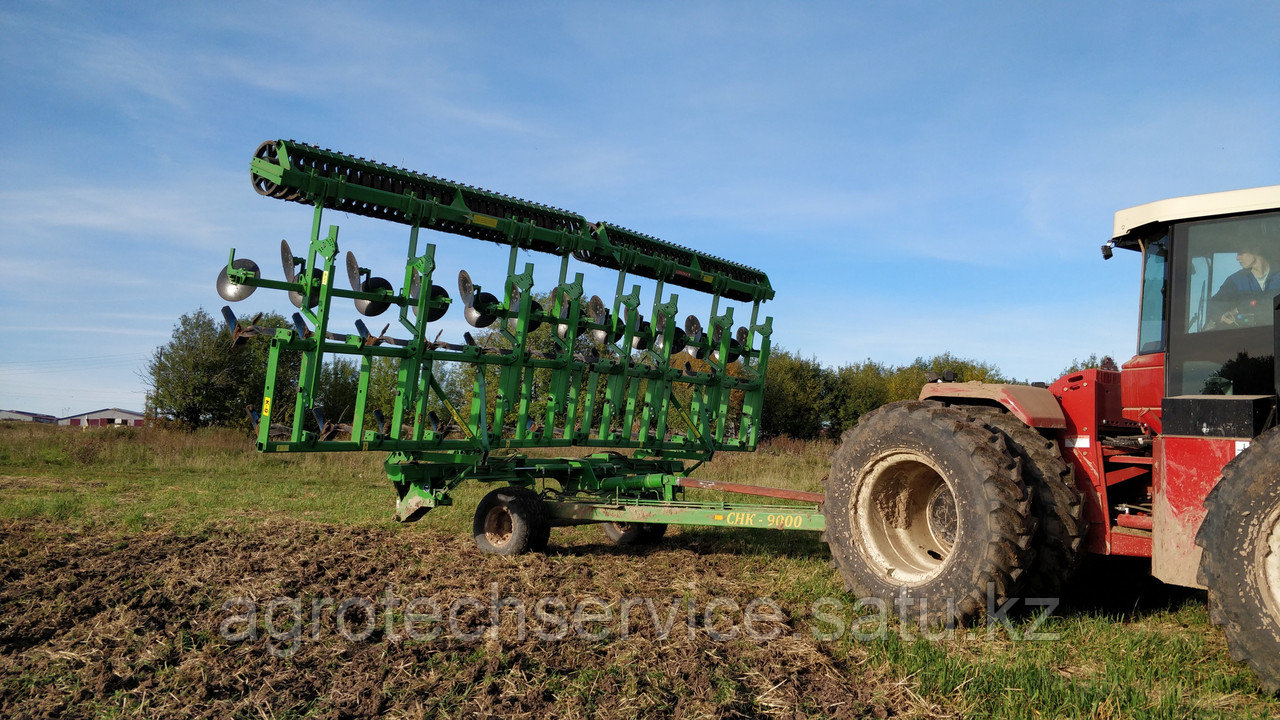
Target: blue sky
914,177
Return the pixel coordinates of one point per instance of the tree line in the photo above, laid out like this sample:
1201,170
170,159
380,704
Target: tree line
197,379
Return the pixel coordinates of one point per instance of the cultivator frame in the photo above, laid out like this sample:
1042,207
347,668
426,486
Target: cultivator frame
618,394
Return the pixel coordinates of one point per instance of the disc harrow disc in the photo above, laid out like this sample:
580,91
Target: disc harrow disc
233,292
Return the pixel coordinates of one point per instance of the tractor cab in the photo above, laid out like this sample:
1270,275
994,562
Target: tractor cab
1210,274
1174,458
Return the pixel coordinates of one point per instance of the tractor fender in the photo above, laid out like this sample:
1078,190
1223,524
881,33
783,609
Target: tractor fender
1037,407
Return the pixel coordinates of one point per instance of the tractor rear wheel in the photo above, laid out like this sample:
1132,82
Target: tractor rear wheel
926,511
511,521
1055,502
627,533
1240,564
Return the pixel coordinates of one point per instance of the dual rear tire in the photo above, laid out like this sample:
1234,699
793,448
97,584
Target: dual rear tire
928,511
953,509
1056,504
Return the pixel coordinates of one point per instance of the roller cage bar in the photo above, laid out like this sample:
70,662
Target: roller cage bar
306,174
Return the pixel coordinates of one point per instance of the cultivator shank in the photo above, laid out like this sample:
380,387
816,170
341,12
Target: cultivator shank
624,374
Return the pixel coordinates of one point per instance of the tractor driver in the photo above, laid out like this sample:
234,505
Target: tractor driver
1249,290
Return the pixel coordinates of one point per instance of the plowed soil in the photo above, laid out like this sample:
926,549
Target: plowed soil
101,623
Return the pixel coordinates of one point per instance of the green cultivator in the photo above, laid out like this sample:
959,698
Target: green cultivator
661,396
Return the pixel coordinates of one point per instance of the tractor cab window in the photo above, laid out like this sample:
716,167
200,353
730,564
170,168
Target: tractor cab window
1235,272
1151,324
1228,272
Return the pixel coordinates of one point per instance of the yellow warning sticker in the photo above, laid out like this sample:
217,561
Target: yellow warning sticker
719,517
484,220
266,406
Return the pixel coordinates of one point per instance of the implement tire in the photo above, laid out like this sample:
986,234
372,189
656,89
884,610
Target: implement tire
627,533
926,510
1240,564
1056,504
511,521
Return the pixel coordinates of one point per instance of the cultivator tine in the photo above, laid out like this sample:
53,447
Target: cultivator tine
368,339
232,291
300,326
328,430
442,427
238,331
471,342
229,318
480,306
362,281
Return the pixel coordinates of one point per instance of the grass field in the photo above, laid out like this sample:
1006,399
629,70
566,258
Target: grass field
122,547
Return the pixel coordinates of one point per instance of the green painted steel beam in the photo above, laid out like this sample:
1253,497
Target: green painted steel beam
769,517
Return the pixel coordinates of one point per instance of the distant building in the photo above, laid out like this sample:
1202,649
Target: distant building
108,416
24,416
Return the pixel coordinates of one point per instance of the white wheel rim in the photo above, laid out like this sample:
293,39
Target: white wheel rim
905,517
1271,563
498,526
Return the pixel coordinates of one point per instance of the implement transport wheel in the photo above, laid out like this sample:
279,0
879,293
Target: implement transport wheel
1056,504
626,533
1240,564
511,521
926,510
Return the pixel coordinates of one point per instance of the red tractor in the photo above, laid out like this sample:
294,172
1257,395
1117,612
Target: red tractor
977,494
